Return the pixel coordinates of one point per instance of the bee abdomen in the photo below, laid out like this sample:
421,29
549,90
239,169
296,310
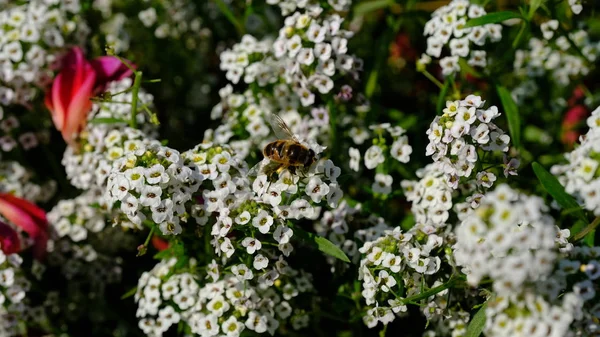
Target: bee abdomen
274,150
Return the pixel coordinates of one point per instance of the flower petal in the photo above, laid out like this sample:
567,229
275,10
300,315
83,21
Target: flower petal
110,68
79,106
9,239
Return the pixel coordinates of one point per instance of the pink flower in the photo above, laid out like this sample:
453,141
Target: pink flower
68,99
9,239
28,217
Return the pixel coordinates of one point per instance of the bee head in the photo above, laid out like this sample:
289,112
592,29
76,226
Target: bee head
311,158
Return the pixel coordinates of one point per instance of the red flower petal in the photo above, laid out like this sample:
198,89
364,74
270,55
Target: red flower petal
9,239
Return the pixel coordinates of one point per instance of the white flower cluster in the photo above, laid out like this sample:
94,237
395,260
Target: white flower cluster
395,267
150,181
431,199
375,155
557,58
447,27
19,181
581,174
78,250
335,225
509,238
222,306
290,6
33,34
257,207
102,143
310,51
454,324
562,304
16,134
582,265
456,137
527,313
169,19
13,288
247,115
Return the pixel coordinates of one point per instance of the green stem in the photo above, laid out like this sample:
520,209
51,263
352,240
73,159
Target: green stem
433,291
383,331
231,17
587,229
433,79
94,99
137,82
152,229
455,88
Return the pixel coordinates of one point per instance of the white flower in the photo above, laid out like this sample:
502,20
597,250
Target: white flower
251,244
449,65
260,262
150,196
382,183
354,154
316,189
263,221
147,16
227,247
282,234
374,157
400,150
171,227
231,327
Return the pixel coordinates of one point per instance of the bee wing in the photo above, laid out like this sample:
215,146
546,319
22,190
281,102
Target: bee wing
256,169
265,166
281,130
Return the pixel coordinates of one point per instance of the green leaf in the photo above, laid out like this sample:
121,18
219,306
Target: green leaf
466,67
371,83
130,293
319,242
557,191
107,120
495,17
512,114
533,7
476,324
370,6
441,101
224,8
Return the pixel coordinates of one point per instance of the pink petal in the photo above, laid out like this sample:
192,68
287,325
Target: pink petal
20,218
110,68
79,106
38,214
40,246
58,111
9,239
29,217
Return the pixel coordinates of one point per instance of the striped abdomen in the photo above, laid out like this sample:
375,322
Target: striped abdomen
289,153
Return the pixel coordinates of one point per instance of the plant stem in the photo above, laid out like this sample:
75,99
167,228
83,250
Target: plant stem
433,79
231,17
433,291
149,236
137,82
589,228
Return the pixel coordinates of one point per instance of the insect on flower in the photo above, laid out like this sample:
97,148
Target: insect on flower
285,153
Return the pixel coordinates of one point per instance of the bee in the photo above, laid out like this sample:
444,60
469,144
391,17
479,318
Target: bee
287,152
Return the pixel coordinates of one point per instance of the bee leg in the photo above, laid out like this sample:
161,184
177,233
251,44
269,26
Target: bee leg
292,169
273,171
